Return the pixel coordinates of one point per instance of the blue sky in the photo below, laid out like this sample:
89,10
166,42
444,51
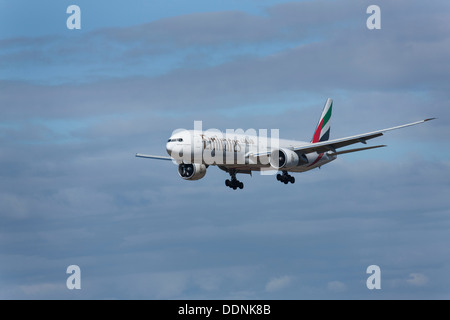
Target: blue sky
43,17
77,105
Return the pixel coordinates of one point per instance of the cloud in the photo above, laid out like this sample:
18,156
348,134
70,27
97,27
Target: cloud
196,29
279,283
42,289
336,286
339,43
417,279
13,207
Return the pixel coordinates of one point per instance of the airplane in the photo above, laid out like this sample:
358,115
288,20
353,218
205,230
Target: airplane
239,152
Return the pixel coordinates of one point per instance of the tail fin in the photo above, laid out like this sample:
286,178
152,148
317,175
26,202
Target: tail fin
322,132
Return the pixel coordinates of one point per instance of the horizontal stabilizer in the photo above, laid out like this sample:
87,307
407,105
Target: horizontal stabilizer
356,150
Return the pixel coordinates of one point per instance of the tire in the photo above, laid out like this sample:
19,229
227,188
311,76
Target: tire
227,183
286,182
279,177
241,185
292,180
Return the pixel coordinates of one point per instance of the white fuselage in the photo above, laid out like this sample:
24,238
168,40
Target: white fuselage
236,150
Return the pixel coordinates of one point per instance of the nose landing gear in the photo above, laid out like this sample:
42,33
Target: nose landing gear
285,178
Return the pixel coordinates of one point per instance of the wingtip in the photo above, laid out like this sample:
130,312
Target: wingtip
429,119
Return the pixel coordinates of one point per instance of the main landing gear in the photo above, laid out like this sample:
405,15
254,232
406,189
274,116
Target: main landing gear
285,178
234,183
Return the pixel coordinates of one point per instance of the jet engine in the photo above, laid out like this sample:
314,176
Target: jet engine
194,171
286,159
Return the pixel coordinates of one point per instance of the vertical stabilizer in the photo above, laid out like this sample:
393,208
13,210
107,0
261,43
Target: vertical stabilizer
322,132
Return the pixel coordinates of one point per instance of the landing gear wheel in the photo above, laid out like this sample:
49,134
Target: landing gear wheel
285,178
234,183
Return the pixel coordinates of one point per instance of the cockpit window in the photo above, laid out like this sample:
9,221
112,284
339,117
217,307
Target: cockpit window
175,140
180,140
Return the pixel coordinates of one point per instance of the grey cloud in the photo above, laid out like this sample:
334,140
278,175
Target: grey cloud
336,286
132,217
352,62
349,58
198,29
417,279
341,22
278,283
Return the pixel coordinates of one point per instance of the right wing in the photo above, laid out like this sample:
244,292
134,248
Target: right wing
139,155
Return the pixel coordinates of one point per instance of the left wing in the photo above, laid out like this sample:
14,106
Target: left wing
355,150
139,155
332,145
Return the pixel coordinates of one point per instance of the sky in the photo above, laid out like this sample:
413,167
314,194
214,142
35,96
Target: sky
77,105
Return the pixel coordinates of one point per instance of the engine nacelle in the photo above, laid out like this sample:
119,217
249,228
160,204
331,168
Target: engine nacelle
286,159
191,171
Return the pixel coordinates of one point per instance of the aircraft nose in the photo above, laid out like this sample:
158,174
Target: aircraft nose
169,148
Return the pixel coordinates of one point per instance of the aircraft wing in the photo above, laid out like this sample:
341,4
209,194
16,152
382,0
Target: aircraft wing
356,150
332,145
139,155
